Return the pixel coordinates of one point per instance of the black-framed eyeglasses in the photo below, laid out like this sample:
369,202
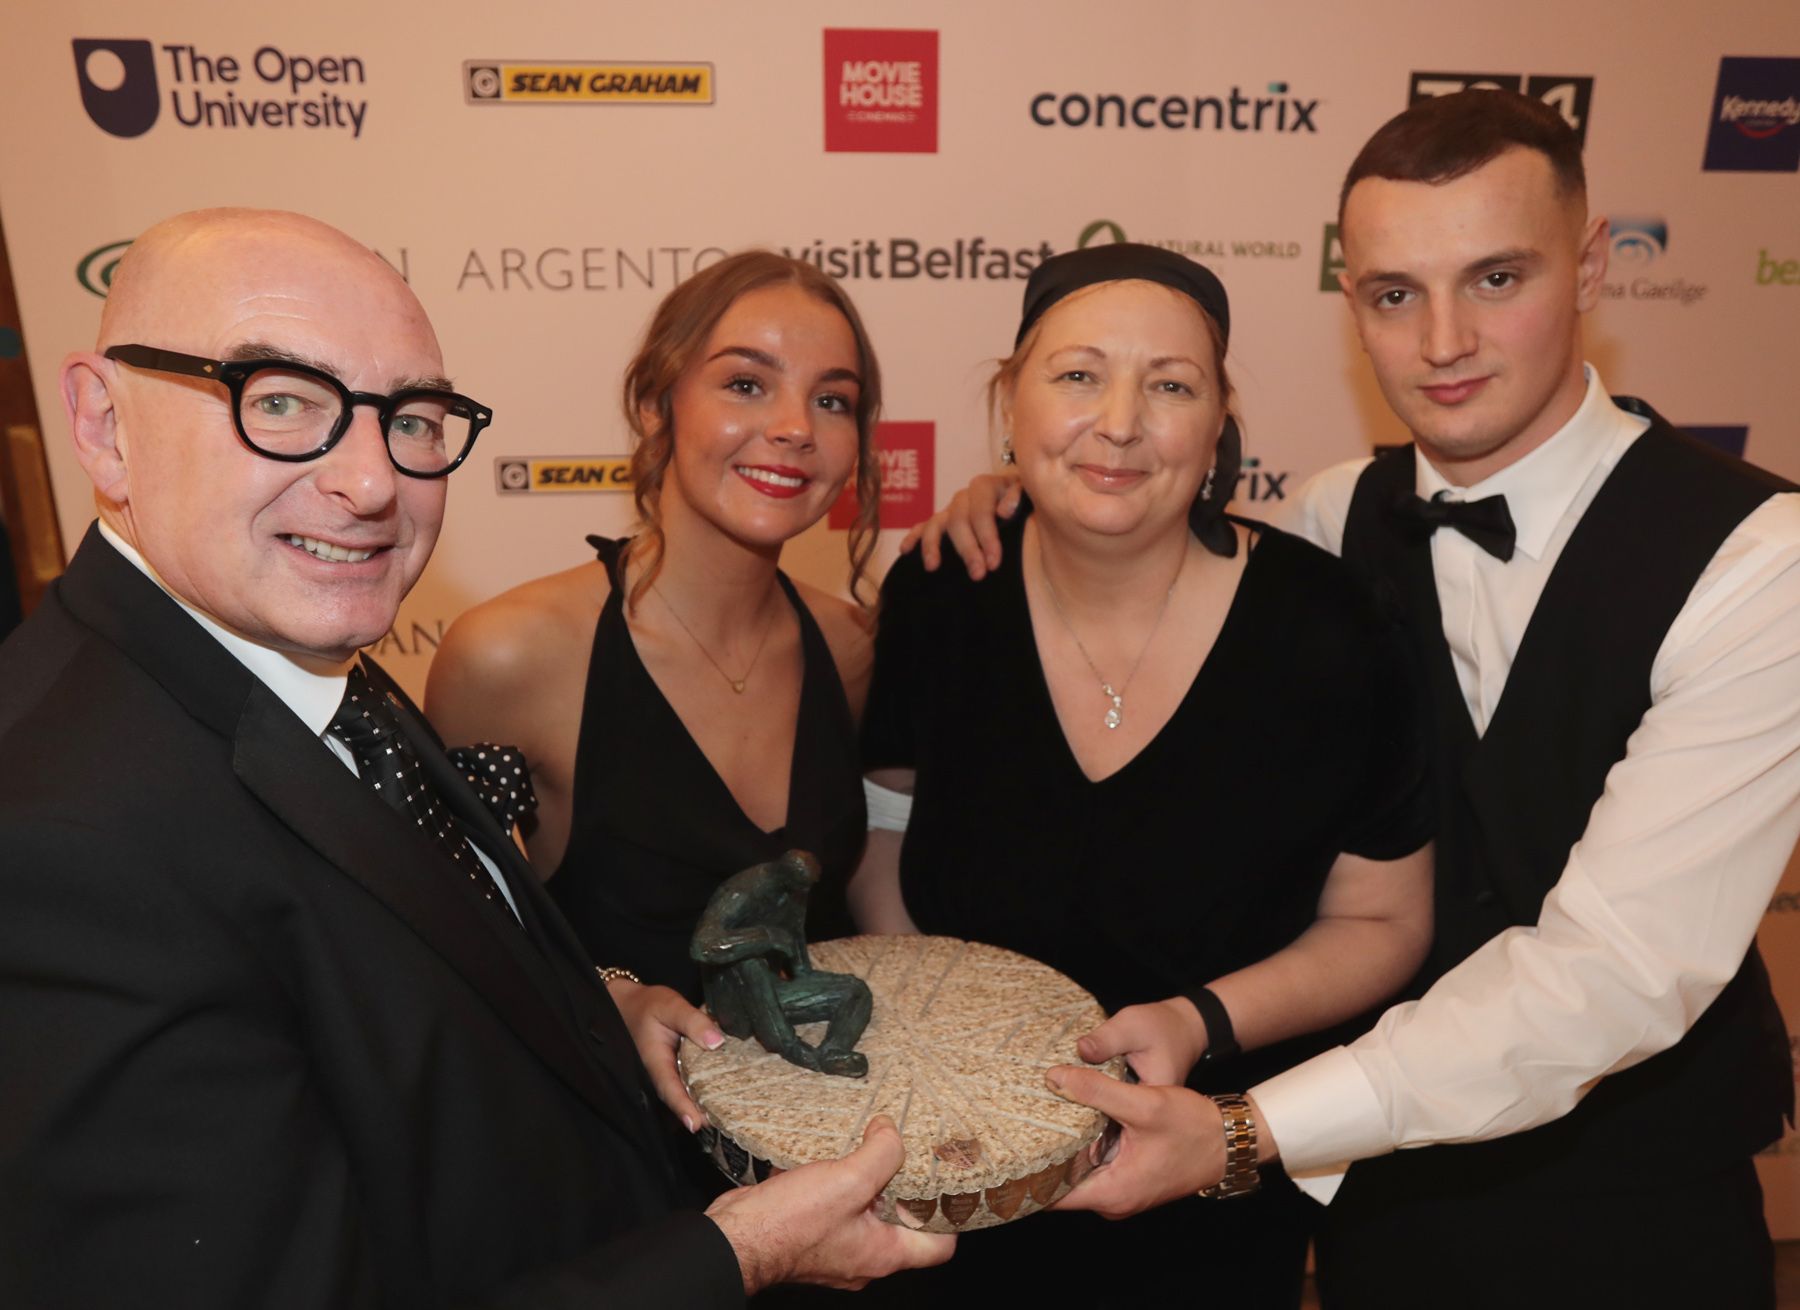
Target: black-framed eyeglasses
293,412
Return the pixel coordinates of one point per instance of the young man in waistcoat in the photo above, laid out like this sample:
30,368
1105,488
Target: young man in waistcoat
1607,614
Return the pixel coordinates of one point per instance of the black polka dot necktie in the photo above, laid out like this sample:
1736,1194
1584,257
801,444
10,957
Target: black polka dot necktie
386,763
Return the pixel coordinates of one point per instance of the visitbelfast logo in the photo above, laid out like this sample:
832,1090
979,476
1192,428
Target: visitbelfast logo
901,259
270,90
1637,245
1275,111
1572,97
1103,231
1755,117
907,454
881,91
551,82
520,474
96,269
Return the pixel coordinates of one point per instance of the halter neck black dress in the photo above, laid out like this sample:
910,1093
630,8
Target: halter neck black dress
654,828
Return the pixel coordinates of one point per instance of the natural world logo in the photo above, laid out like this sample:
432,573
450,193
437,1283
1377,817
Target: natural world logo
1104,231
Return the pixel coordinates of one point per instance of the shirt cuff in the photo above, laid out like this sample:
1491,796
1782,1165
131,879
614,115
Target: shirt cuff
1323,1114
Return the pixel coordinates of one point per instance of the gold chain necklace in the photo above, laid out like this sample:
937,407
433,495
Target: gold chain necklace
1115,710
737,684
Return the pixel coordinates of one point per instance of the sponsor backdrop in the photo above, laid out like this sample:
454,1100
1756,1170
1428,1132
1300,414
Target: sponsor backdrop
543,175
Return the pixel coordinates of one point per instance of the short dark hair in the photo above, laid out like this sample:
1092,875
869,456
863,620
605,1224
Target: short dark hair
1442,138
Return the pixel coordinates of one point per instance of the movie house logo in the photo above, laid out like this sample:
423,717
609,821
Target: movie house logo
1103,231
881,91
271,90
906,453
551,82
904,259
1569,96
1638,243
518,475
1755,124
1233,111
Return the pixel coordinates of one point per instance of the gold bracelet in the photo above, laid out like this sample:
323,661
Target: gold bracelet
1241,1175
608,974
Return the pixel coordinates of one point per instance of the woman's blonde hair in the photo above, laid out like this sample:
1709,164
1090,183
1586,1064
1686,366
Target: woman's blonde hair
672,345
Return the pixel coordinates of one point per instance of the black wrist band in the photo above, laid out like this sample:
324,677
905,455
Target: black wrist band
1221,1042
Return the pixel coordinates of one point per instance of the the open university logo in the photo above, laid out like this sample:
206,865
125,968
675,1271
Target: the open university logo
1755,124
1572,97
96,269
118,84
611,82
517,476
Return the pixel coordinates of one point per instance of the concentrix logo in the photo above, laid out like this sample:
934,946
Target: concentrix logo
271,89
1277,111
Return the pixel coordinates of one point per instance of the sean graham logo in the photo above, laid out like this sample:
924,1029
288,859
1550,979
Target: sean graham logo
548,82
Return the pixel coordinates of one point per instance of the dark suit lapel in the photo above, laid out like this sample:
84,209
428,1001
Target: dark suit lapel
302,783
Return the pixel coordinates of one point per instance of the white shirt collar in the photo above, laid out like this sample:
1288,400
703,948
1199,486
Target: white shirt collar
1540,487
312,688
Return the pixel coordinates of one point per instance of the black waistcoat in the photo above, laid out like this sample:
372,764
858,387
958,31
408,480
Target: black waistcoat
1514,800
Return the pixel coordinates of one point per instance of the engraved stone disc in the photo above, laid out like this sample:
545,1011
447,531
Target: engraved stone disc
960,1039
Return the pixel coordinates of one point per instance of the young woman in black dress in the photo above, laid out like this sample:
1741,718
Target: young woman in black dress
1169,752
717,696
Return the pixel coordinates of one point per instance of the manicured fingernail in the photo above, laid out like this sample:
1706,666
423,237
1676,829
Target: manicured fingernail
1055,1081
687,1122
712,1039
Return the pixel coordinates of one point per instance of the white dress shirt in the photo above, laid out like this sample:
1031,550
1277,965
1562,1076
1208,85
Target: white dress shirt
311,687
1661,896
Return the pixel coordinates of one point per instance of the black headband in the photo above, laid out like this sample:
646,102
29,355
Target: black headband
1123,261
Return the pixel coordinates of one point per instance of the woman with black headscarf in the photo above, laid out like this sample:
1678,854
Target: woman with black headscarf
1173,753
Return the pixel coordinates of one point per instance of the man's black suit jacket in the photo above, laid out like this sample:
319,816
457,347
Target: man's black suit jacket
259,1044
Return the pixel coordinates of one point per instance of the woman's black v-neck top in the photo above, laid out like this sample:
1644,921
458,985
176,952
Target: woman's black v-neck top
654,829
1300,738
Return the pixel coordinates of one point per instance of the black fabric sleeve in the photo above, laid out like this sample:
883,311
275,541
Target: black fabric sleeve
888,727
1395,812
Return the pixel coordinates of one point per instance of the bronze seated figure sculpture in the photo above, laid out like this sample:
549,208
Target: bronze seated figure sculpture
757,978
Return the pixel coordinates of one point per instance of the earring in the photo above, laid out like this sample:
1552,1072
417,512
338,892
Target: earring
1206,487
1006,452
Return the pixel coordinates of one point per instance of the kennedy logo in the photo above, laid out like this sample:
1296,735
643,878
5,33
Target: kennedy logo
881,91
121,91
1569,96
515,476
1732,441
96,269
907,453
1276,111
549,82
1755,117
118,85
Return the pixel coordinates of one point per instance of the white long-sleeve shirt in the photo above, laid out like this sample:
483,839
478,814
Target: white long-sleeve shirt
1660,897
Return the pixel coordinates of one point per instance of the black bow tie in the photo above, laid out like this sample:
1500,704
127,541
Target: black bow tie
1486,522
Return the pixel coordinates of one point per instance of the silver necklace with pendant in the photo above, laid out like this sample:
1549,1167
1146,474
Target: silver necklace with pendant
1115,709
